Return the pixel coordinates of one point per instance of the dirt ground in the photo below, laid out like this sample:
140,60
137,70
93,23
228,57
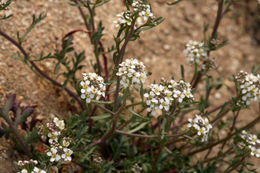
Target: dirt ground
161,49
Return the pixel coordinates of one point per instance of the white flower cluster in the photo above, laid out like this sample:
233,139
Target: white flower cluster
252,142
35,170
98,159
136,168
124,18
27,162
250,87
55,129
60,153
28,166
93,87
196,52
159,97
201,126
59,150
132,73
180,90
163,95
142,10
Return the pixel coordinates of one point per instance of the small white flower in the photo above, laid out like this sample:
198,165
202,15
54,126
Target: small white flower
20,163
201,126
250,88
53,137
24,171
67,154
65,143
139,7
250,139
38,170
255,151
159,100
132,73
179,91
54,155
164,94
196,52
59,123
93,87
34,161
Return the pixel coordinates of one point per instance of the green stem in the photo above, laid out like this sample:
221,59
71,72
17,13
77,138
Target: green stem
119,60
164,140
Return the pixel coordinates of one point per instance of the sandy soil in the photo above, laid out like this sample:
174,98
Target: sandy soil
161,48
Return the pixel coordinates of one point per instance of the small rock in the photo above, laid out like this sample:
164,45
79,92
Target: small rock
217,95
228,83
166,47
1,91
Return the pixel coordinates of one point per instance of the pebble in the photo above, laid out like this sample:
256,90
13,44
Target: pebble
217,95
1,90
166,47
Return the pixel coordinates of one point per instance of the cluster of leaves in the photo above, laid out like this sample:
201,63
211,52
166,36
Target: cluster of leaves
16,115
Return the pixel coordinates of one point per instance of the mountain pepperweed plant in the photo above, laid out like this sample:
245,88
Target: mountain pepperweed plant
125,124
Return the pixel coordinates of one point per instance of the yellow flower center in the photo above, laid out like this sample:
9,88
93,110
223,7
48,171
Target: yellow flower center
85,86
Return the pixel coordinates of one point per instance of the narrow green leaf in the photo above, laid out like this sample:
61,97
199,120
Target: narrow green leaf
206,27
136,114
186,136
9,104
33,136
255,69
182,73
101,117
6,17
24,115
57,67
18,57
102,102
35,21
142,125
5,5
174,3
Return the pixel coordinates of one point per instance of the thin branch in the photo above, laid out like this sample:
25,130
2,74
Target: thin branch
228,151
236,165
105,59
218,107
105,109
215,121
26,56
214,31
218,18
146,136
179,125
119,60
227,8
232,128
